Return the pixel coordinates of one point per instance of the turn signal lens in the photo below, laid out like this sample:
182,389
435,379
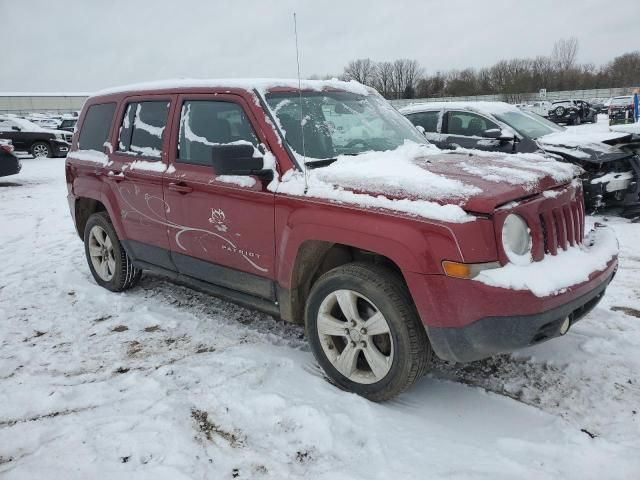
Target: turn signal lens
466,270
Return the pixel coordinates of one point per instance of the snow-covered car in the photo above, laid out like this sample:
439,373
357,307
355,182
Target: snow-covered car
344,219
572,112
34,139
610,160
9,163
539,107
621,110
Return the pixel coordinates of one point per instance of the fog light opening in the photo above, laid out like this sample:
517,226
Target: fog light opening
564,328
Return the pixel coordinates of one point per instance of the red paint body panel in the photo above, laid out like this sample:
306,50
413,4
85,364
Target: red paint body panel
253,230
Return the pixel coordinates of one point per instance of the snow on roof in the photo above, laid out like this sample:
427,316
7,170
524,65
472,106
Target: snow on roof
263,85
480,107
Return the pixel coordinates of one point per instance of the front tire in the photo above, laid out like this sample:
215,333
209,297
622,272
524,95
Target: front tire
364,331
41,150
110,265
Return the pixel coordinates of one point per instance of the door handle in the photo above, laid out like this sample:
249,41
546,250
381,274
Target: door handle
180,187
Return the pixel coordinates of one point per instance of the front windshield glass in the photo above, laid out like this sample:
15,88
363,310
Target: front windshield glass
528,125
339,123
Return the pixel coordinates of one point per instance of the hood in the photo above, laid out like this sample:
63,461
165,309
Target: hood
592,147
475,181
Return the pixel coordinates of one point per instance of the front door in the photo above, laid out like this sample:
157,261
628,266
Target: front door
221,227
465,129
139,162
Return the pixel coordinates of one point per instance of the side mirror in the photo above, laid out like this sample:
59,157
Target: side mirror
237,160
421,129
498,134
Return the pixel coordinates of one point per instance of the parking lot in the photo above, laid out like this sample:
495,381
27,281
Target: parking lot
164,382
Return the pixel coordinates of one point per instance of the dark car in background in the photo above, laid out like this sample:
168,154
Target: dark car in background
621,110
610,159
9,163
68,124
28,137
572,112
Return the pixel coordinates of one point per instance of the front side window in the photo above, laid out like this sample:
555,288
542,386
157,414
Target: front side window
204,124
142,128
468,124
96,126
426,120
331,123
528,125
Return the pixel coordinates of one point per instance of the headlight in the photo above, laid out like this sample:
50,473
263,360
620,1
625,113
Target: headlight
59,136
516,239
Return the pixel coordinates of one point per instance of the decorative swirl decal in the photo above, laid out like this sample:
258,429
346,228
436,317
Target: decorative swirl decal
218,219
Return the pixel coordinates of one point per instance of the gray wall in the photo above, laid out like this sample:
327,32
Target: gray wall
67,103
26,103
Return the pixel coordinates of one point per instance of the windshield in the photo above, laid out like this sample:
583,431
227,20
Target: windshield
339,123
528,124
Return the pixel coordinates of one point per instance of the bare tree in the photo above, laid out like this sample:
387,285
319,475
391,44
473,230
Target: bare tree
405,77
565,53
384,79
361,70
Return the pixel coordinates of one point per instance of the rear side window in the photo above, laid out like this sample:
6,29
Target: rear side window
96,126
426,120
142,128
204,124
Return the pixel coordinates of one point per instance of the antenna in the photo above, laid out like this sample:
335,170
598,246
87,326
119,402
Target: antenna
304,153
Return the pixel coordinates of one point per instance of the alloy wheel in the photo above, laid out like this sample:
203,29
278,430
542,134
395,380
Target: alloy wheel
355,336
101,253
40,150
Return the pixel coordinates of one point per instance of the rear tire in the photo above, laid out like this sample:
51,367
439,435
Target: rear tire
379,347
109,263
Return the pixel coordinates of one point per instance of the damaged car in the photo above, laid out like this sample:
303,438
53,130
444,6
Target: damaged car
572,112
610,160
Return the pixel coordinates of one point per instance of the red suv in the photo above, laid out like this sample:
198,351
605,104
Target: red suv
325,206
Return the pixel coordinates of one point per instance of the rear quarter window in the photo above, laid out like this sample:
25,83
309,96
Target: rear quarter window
96,126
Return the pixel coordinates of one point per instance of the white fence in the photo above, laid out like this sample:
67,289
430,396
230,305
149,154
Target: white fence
23,103
600,93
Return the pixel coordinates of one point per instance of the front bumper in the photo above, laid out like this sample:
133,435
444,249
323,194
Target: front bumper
514,306
60,148
489,336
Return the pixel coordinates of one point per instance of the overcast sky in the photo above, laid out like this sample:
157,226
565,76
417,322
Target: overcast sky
87,45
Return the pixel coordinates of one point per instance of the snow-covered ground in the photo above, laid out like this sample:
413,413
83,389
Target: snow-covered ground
163,382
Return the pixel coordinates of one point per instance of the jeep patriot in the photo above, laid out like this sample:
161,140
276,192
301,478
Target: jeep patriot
325,206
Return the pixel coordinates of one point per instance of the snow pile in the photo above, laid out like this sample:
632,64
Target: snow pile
554,274
516,169
392,173
240,180
581,138
633,128
93,156
146,165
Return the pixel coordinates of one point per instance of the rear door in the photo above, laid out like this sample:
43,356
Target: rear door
222,227
8,130
139,161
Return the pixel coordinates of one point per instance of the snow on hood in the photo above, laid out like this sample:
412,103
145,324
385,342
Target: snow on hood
423,181
593,140
263,85
633,128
